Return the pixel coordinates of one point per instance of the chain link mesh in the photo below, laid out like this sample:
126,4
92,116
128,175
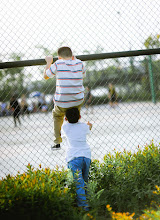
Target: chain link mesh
34,29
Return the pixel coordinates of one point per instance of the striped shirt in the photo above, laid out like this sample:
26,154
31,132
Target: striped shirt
69,82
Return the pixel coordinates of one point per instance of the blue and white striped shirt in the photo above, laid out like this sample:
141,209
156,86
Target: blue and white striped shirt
69,82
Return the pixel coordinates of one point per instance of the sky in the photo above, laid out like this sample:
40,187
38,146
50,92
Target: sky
114,25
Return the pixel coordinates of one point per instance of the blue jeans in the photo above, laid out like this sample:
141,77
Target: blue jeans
80,169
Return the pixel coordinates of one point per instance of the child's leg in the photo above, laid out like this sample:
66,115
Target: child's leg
85,169
15,122
18,119
58,116
76,166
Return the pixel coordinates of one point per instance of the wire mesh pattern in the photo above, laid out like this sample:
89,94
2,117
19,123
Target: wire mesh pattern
34,29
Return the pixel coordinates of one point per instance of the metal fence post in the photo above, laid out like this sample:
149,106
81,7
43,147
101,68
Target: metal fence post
151,80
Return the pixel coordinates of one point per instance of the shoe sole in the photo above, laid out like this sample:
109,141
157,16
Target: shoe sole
58,148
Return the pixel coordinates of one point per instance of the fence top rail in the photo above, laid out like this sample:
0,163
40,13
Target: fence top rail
37,62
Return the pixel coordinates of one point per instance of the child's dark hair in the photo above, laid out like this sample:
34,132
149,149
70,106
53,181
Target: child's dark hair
65,52
72,115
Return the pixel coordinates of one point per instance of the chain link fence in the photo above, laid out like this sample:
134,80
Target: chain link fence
31,30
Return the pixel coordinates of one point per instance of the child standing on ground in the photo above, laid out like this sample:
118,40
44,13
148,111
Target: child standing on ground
16,110
78,153
112,95
69,73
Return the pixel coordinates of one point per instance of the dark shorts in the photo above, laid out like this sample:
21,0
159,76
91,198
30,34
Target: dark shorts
16,113
113,98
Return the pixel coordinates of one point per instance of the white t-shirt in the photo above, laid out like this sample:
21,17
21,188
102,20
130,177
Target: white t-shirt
76,140
69,82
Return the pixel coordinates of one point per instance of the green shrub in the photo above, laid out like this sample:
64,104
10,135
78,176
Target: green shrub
124,181
37,194
128,180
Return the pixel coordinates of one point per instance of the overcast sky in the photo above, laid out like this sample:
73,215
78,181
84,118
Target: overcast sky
115,25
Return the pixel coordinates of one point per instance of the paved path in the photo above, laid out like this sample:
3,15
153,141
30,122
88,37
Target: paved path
124,127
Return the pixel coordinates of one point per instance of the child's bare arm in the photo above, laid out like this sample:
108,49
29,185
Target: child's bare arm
90,125
49,60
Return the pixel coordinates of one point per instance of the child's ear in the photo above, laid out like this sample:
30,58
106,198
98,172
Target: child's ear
80,117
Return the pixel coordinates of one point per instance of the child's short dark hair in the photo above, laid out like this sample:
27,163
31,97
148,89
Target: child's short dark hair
65,52
72,115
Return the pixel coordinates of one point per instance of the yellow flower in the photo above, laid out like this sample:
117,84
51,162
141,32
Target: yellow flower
109,208
155,192
110,166
157,187
132,214
34,181
52,189
46,170
65,190
90,216
144,154
122,216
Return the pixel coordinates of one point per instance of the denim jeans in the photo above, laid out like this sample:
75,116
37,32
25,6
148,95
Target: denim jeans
80,169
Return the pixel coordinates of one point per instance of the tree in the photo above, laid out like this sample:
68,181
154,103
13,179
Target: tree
92,66
43,86
152,42
12,80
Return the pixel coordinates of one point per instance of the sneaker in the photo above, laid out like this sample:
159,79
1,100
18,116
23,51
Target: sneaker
56,147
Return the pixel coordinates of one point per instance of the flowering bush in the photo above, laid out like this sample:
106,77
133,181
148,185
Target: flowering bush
119,216
128,179
154,212
150,214
123,182
38,194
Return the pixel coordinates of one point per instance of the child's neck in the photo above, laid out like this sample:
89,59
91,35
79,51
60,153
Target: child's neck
66,58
